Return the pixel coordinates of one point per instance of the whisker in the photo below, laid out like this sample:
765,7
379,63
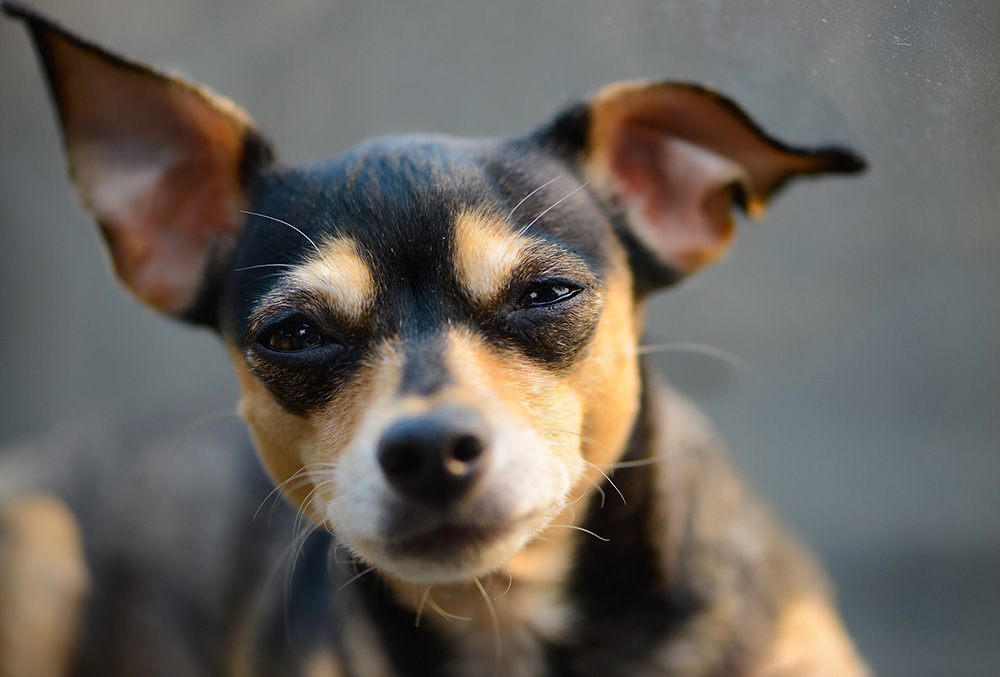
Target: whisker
600,490
591,440
699,348
211,417
356,577
642,461
613,485
510,583
289,556
300,525
444,614
493,615
285,223
525,198
264,265
584,494
586,531
420,609
297,474
300,516
554,205
336,560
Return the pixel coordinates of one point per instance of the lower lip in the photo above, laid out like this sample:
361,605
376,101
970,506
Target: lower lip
448,539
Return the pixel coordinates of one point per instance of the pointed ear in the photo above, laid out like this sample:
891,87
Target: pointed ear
161,163
671,159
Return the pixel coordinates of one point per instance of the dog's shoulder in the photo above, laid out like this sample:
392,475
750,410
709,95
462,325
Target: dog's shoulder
757,584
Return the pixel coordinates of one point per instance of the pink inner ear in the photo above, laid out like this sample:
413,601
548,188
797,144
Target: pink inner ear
678,196
157,162
162,203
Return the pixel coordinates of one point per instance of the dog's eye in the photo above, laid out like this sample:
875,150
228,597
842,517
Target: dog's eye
293,336
547,294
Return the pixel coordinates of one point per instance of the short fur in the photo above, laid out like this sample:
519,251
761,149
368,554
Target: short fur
436,342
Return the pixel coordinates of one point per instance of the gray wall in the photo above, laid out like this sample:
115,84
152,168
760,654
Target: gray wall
869,309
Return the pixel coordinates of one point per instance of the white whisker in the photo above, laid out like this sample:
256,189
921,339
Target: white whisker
525,198
493,615
510,583
420,609
336,560
298,474
211,417
554,205
300,525
613,485
584,494
444,614
698,348
285,223
590,440
642,461
356,577
264,265
586,531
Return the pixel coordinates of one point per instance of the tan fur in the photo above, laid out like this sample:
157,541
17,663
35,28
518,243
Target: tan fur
487,252
323,663
810,641
470,365
337,275
293,447
44,583
606,383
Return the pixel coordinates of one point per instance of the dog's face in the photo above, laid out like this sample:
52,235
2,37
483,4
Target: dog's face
435,338
445,354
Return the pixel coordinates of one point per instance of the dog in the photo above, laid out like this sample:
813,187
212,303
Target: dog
436,341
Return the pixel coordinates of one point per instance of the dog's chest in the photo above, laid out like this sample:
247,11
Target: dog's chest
527,622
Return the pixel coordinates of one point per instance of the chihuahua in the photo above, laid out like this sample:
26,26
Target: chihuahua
436,341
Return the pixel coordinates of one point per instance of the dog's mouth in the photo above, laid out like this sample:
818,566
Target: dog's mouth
448,539
448,550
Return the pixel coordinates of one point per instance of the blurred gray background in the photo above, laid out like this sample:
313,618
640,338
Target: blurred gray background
869,308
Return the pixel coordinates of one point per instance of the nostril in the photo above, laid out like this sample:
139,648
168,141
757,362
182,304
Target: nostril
467,448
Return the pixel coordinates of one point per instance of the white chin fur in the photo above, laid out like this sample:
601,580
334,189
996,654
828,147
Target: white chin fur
469,563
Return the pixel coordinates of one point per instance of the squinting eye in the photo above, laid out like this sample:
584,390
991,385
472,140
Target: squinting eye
547,294
293,336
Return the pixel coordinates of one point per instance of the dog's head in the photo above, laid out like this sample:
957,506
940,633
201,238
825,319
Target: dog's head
435,337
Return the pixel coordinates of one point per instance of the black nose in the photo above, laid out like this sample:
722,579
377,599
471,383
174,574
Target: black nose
437,457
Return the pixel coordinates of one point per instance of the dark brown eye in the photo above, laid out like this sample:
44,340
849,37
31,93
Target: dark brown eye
547,294
293,336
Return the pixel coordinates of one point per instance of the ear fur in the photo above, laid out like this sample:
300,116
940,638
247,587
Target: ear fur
160,162
670,159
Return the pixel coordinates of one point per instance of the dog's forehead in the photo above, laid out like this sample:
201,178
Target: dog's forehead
421,211
407,190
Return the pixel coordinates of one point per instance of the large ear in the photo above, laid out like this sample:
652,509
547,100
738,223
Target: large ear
160,162
671,159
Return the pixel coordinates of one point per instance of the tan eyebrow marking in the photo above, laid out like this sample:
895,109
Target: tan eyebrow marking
338,274
487,251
